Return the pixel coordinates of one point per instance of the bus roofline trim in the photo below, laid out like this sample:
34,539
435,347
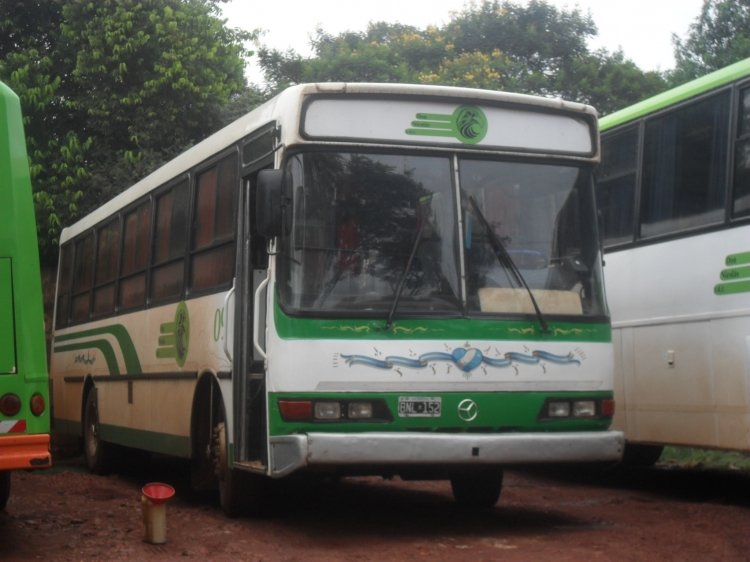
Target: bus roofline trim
293,452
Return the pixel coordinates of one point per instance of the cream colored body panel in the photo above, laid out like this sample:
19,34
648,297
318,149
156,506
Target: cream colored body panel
682,365
158,397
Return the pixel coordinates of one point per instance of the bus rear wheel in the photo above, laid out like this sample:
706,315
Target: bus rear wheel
94,449
4,488
479,489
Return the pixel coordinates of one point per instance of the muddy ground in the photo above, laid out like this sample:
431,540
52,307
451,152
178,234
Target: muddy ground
66,514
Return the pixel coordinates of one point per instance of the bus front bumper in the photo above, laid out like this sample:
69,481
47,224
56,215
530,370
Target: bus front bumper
290,453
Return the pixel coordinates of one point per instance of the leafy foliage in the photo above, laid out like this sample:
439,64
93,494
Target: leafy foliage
719,37
112,88
534,48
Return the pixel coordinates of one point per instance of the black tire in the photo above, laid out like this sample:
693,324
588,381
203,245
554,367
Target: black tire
240,492
477,489
228,479
95,451
4,488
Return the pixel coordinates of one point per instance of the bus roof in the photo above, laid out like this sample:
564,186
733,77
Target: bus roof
676,95
285,109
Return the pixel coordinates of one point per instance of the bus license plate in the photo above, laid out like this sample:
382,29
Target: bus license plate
418,407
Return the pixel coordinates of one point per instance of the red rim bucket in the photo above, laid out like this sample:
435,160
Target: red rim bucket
157,493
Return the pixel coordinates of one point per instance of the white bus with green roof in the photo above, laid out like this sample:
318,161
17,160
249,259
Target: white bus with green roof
674,193
352,279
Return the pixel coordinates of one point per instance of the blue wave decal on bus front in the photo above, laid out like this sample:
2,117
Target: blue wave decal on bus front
466,359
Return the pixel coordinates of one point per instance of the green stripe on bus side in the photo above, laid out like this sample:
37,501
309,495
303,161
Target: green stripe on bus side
443,329
165,443
498,412
120,333
671,97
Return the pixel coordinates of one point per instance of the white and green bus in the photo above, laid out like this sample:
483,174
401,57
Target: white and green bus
674,192
352,279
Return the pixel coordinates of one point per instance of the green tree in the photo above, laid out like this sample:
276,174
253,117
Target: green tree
111,89
534,48
718,37
608,81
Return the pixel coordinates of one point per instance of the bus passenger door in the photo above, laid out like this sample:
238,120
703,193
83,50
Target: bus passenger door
248,377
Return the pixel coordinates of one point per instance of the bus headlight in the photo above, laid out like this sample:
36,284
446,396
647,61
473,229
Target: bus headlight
359,410
558,409
571,408
584,409
327,410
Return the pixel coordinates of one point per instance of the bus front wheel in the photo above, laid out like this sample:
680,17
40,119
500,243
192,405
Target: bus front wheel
4,488
94,449
230,480
477,488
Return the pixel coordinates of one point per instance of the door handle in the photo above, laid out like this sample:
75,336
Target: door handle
256,317
226,321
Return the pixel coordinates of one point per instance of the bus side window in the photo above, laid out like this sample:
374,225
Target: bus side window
685,167
741,204
616,184
62,318
107,259
213,241
137,233
83,275
168,261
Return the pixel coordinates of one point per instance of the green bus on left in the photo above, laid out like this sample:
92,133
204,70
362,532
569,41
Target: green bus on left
24,383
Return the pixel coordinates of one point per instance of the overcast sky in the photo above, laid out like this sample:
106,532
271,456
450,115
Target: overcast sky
642,28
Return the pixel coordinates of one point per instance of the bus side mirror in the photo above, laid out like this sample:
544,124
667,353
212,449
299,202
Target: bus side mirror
268,203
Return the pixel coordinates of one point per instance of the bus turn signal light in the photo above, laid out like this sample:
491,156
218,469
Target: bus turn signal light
608,408
296,410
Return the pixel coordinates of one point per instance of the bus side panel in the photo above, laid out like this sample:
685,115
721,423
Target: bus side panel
683,376
145,366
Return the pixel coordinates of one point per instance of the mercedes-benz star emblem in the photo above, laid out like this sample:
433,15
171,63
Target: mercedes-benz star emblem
468,410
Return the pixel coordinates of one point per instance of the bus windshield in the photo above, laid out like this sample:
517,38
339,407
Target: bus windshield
369,230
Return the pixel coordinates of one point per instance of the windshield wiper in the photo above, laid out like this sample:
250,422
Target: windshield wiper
402,280
507,262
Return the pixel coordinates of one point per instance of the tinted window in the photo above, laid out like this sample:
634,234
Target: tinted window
137,232
63,286
684,167
167,275
83,274
616,184
213,231
741,203
107,259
